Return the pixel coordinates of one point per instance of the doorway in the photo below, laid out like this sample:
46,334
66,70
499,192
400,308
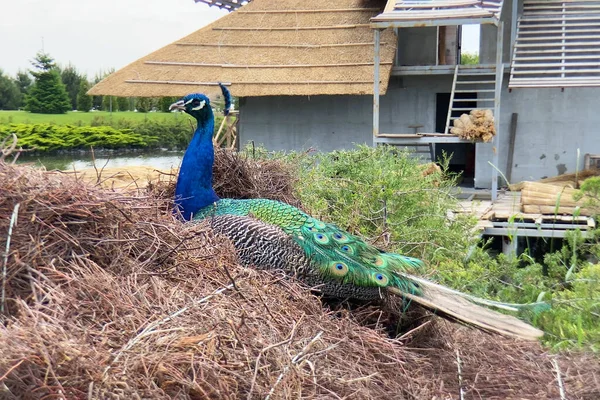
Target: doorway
462,155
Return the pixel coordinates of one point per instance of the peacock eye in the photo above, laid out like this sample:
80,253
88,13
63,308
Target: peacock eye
381,279
338,235
319,236
345,248
339,269
310,228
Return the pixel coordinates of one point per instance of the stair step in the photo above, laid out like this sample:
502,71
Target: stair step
475,90
476,74
474,82
464,100
462,109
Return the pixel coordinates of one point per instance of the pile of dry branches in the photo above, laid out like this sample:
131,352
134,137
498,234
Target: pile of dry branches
477,126
107,296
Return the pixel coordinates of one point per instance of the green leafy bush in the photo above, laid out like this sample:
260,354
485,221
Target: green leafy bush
104,133
45,137
382,195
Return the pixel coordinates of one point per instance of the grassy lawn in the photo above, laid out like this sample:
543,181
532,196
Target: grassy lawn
78,118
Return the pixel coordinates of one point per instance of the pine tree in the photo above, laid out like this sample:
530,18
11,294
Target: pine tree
84,102
47,95
165,102
10,96
123,103
143,104
24,83
71,79
109,103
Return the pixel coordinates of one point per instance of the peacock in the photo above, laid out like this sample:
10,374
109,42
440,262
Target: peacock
272,235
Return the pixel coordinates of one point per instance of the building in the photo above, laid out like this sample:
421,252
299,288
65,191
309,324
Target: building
331,74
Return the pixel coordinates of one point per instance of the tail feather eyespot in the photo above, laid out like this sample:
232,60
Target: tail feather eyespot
380,279
321,238
339,268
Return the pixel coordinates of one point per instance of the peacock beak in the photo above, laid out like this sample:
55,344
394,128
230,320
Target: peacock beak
179,105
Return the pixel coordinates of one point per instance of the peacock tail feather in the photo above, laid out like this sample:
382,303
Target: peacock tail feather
334,253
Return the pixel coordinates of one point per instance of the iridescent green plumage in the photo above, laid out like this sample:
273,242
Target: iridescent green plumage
334,253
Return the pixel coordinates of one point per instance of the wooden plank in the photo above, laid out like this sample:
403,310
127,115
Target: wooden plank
289,28
441,14
565,19
563,71
563,44
567,14
275,45
583,57
512,134
557,64
399,135
523,31
436,4
558,2
559,6
189,64
560,23
310,11
562,36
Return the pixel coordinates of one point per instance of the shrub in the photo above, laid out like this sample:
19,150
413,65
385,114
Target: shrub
45,137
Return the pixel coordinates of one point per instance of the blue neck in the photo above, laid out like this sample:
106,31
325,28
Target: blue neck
194,185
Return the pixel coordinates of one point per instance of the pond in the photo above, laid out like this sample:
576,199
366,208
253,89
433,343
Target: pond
163,160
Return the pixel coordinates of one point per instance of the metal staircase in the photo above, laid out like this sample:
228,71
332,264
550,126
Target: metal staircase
557,44
472,88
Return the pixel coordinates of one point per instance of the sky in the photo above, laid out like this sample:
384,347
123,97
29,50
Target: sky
97,35
94,35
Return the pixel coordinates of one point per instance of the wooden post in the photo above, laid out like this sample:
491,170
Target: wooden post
511,145
376,61
497,95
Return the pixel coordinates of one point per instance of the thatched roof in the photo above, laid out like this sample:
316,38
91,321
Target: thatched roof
286,47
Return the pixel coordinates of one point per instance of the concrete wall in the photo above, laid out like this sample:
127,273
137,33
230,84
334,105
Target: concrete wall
489,34
337,122
417,46
551,126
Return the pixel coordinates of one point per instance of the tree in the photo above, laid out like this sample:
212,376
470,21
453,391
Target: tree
10,95
109,103
143,104
123,103
47,95
84,102
97,100
71,79
164,103
24,83
467,58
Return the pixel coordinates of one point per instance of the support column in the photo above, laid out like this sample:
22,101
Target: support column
376,73
497,96
513,25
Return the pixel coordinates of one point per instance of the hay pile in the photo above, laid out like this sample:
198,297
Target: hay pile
477,126
108,297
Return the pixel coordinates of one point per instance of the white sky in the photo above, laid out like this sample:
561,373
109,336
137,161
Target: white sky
96,35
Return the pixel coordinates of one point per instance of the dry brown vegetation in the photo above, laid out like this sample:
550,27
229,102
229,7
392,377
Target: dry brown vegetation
107,296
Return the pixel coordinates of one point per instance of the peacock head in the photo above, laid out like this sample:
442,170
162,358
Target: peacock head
195,104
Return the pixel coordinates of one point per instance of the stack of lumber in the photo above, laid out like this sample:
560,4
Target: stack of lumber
573,180
548,198
477,126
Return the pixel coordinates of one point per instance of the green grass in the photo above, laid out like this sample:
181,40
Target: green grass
80,118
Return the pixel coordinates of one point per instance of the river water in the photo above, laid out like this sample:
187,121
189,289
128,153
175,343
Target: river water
163,160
